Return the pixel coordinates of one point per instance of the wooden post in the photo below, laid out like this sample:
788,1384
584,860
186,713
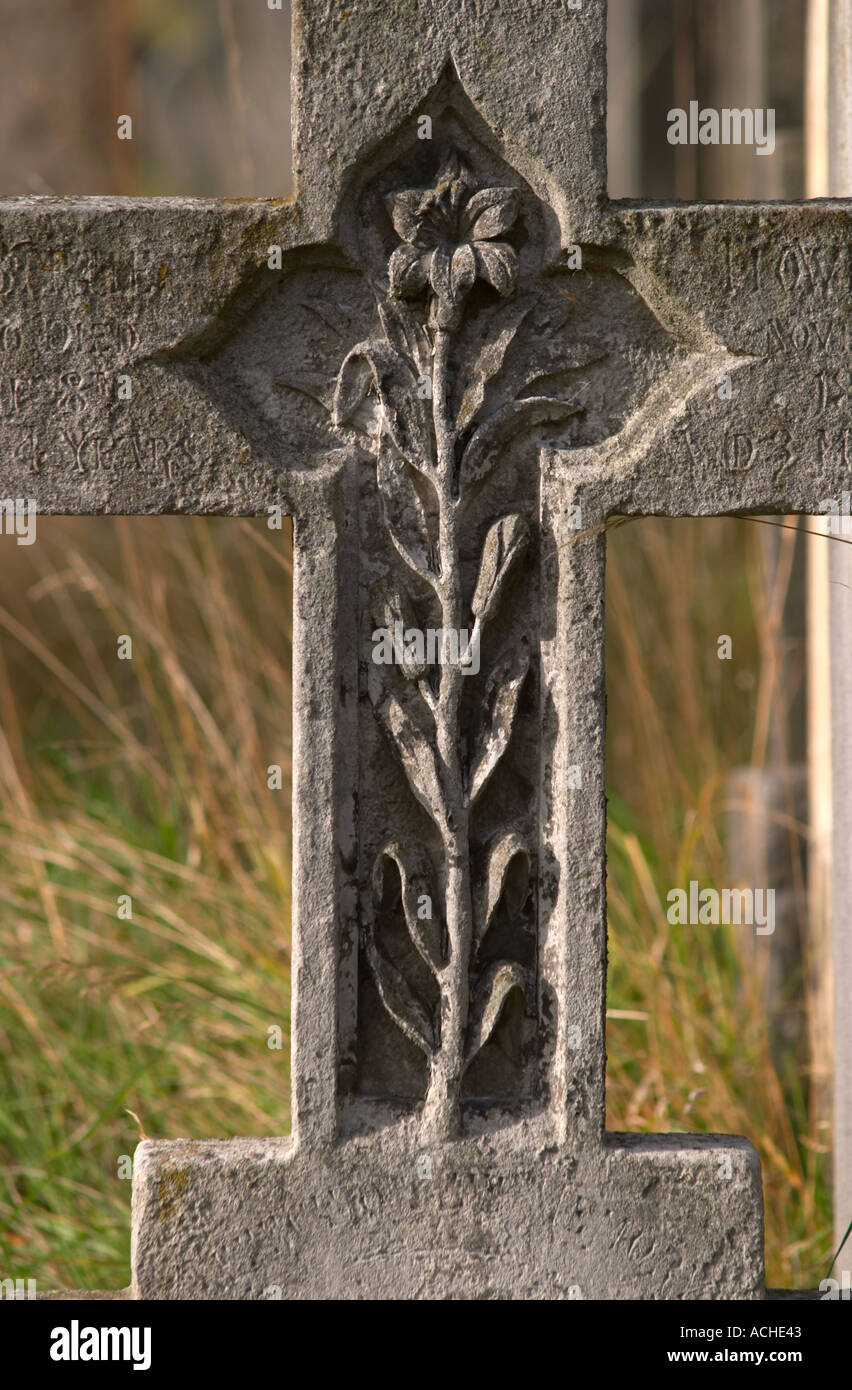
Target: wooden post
829,173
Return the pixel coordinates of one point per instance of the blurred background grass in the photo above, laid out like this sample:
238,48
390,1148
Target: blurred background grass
148,777
145,777
689,1038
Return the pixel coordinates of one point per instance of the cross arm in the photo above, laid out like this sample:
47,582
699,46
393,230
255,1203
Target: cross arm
96,294
756,415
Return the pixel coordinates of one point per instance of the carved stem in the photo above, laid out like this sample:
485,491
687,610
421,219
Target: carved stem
441,1116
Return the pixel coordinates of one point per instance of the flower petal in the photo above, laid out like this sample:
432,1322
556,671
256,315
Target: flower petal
440,263
452,168
433,223
490,213
462,270
453,181
407,270
403,212
452,271
497,264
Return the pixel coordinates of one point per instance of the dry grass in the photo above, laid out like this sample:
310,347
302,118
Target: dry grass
144,777
694,1052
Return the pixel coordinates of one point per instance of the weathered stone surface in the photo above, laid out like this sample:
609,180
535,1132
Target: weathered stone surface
506,1215
452,406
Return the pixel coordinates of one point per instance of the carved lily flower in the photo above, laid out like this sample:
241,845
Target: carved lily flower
448,234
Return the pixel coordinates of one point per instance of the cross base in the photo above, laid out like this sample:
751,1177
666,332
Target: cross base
645,1216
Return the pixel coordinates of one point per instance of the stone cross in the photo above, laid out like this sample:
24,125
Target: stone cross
452,360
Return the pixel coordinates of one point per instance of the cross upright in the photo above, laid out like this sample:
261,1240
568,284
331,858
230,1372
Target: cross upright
451,359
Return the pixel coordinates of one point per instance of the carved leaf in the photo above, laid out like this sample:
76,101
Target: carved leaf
393,609
507,539
417,756
404,1006
490,994
507,876
353,381
501,699
483,449
412,882
490,358
378,366
405,332
405,514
